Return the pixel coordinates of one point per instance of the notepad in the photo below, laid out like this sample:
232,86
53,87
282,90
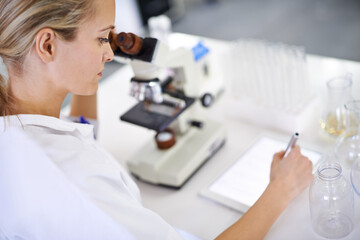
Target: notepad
242,184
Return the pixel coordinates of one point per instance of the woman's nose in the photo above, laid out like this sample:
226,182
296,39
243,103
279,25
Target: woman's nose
109,54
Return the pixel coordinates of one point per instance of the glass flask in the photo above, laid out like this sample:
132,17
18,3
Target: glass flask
347,147
331,201
338,93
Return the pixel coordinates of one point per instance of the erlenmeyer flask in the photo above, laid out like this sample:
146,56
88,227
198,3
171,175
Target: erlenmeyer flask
347,148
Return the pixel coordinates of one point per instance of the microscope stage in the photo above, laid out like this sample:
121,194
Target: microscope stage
153,119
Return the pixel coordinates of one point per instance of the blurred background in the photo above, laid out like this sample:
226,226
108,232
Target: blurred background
324,27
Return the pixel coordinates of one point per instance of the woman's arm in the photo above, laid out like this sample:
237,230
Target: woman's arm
85,106
288,177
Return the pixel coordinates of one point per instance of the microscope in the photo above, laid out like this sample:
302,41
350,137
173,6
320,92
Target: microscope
173,89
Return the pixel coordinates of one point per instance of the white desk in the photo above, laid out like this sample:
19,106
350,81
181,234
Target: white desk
184,208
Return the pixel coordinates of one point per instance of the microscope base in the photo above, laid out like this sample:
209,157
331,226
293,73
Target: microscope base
173,167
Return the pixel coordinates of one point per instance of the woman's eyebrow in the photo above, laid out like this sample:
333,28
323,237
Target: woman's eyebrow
111,27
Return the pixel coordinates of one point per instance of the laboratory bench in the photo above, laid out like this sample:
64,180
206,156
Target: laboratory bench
185,208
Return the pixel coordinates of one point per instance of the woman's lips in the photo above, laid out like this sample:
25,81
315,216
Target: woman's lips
100,74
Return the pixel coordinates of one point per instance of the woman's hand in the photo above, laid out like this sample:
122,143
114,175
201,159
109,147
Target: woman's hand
292,174
288,177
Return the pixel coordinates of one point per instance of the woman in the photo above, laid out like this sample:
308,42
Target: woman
52,48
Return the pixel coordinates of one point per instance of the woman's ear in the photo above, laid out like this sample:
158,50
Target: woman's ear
45,44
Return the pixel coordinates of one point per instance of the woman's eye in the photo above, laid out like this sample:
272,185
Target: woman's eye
104,40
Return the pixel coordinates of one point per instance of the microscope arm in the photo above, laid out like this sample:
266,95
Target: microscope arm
128,48
149,57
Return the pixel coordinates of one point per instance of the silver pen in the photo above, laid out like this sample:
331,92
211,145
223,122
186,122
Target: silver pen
292,143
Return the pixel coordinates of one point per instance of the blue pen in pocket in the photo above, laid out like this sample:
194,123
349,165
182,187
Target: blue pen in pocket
83,120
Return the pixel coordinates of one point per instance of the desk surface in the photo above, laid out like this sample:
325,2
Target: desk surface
185,208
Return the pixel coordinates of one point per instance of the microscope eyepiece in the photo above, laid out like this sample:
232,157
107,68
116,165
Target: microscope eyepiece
129,43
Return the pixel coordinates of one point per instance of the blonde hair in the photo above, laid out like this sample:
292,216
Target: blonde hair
21,20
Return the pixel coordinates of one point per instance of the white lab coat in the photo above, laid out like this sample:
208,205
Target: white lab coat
62,185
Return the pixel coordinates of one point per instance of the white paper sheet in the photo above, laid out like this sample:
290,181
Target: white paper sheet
246,180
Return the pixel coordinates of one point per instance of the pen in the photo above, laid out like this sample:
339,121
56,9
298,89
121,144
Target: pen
292,143
84,120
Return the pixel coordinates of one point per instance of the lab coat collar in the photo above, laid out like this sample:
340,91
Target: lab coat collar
22,120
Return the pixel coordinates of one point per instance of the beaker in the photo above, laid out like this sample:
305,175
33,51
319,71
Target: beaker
347,146
338,93
331,201
160,27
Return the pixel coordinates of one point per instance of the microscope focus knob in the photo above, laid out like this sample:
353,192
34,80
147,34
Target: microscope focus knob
165,139
129,43
207,100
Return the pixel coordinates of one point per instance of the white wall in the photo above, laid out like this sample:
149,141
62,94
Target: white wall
127,17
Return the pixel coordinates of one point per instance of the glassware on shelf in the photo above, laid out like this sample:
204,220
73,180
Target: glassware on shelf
331,201
347,148
338,93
